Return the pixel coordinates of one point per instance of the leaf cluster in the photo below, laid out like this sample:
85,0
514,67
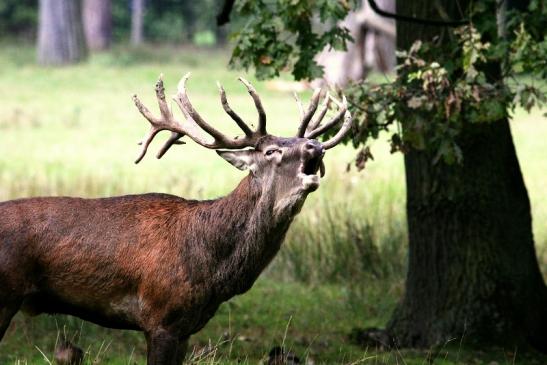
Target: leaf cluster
282,35
429,104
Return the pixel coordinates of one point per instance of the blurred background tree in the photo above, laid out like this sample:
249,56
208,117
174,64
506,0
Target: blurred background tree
97,19
60,32
106,21
137,23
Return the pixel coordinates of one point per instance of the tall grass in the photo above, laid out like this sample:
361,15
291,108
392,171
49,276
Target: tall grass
338,246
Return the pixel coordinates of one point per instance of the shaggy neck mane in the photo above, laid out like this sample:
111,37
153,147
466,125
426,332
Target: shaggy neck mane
235,237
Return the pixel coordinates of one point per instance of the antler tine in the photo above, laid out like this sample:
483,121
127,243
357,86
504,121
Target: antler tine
160,95
167,115
261,129
173,139
299,104
151,133
346,126
220,140
158,124
181,98
306,117
154,129
165,122
244,127
324,109
323,128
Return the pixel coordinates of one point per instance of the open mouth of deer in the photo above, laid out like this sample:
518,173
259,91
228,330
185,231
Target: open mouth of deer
313,165
309,169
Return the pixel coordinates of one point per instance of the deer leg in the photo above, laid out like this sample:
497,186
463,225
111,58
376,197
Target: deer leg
162,348
181,351
10,302
6,314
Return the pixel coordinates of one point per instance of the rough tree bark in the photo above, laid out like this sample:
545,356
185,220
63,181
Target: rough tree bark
473,272
60,32
137,21
97,19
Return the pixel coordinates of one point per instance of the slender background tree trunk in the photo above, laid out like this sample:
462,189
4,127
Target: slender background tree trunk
137,22
97,19
473,273
189,15
60,32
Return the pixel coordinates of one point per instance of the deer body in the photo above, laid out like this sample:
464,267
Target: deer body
156,262
83,260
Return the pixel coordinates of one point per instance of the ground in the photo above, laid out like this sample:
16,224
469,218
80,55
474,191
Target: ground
73,131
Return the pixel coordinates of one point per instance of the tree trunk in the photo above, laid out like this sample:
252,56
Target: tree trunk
137,21
221,35
97,17
189,16
60,32
380,45
473,273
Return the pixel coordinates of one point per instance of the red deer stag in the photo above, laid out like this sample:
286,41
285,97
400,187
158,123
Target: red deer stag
158,263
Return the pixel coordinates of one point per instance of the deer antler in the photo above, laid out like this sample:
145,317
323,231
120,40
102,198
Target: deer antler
305,117
313,129
344,129
195,123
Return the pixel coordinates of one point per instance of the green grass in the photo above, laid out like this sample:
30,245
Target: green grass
245,328
73,131
312,321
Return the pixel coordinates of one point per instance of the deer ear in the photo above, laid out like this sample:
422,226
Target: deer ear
240,159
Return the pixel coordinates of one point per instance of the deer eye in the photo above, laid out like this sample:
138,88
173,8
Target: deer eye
270,152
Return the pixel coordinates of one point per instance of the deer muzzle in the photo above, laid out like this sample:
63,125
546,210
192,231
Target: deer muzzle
312,162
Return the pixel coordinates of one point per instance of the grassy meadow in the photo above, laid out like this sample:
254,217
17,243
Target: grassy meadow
72,131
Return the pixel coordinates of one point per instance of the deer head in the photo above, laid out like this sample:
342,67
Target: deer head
286,167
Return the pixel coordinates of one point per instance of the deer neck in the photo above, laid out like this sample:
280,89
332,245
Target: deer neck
247,236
